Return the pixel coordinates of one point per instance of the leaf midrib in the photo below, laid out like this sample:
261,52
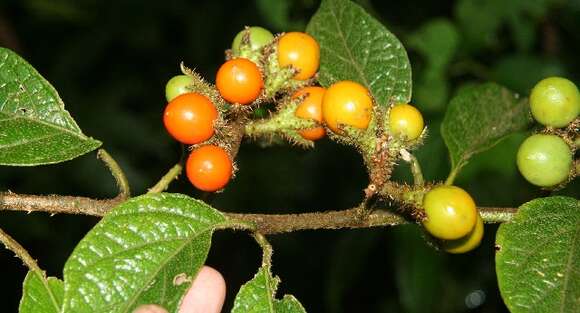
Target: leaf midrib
46,85
162,265
186,241
569,266
48,124
352,60
44,281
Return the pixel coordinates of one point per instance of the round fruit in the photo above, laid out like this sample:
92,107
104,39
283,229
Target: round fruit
209,168
311,108
544,160
406,121
468,242
259,37
346,103
301,51
451,212
176,86
189,118
555,102
239,81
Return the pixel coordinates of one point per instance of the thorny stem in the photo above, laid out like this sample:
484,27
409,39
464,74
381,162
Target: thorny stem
20,252
164,182
117,172
264,223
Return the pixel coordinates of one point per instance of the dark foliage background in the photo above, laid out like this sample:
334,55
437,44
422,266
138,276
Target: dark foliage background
110,61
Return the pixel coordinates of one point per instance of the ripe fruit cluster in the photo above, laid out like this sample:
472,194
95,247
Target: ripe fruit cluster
262,68
546,159
258,66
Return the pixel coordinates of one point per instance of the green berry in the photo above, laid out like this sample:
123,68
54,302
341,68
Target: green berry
259,37
177,86
544,160
555,102
467,242
451,212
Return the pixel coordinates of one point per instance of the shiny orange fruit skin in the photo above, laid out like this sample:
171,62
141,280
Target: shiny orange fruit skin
347,103
311,108
239,81
189,118
301,51
209,168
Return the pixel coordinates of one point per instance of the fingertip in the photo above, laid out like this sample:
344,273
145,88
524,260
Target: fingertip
150,308
206,294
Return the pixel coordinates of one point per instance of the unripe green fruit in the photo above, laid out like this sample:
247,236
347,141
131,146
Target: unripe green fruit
451,212
555,102
467,242
259,37
544,160
177,86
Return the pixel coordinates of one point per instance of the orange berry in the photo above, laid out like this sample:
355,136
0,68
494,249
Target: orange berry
209,168
189,118
347,103
301,51
239,81
311,108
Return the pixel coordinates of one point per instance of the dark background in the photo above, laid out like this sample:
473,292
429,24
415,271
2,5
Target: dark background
110,61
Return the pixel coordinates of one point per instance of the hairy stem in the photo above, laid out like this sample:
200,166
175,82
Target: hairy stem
264,223
19,250
164,182
56,204
351,218
117,172
266,249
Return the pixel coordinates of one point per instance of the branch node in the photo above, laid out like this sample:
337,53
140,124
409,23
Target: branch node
266,249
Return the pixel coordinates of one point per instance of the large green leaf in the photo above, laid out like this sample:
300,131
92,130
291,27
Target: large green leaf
437,42
146,251
538,262
355,46
34,126
258,296
478,117
481,21
41,294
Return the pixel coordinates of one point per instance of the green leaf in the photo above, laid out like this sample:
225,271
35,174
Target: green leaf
145,251
34,126
481,21
355,46
479,117
538,262
41,294
437,42
258,296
